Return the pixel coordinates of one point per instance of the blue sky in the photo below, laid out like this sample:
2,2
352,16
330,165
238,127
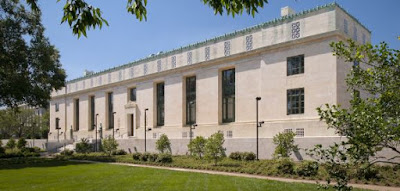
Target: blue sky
175,23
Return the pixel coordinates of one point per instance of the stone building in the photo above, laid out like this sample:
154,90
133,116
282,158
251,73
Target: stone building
214,84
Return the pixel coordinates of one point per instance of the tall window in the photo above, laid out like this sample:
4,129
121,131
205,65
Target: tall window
132,94
57,107
110,110
228,95
77,115
295,101
160,104
92,112
57,123
295,65
191,100
131,125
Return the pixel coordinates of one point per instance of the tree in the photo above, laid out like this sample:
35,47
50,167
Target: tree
214,149
22,123
109,145
30,68
371,123
11,144
163,144
284,144
82,16
21,144
197,146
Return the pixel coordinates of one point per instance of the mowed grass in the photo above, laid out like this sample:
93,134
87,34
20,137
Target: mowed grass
88,176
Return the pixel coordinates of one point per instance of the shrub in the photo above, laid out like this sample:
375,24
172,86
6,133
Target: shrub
164,158
284,144
83,146
150,157
236,156
2,150
197,146
67,152
37,149
214,149
109,145
163,144
367,172
137,156
11,144
10,153
285,166
307,168
248,156
119,152
21,143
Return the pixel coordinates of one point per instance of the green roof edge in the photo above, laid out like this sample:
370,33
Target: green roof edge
224,37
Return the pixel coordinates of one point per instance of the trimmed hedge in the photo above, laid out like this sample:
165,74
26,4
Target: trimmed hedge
245,156
153,157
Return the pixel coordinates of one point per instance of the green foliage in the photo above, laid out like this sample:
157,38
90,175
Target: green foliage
136,156
2,149
119,152
307,168
30,68
336,164
197,146
21,144
372,122
214,149
109,145
67,152
285,165
82,16
150,157
284,144
83,146
11,144
235,8
246,156
164,158
163,144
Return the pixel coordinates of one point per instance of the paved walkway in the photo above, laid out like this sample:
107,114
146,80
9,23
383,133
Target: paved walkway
362,186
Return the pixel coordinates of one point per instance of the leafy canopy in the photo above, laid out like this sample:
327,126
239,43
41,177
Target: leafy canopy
82,16
197,146
284,144
214,149
372,122
30,68
163,145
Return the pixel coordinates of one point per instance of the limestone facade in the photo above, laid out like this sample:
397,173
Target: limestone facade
259,56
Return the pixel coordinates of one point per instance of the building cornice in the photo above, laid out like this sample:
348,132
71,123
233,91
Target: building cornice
227,36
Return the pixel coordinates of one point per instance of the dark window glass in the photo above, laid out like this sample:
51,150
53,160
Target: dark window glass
132,130
57,107
228,95
92,112
110,110
191,100
295,65
77,115
160,104
57,123
132,94
295,101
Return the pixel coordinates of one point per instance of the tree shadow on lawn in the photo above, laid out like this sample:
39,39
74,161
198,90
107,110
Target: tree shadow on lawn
20,163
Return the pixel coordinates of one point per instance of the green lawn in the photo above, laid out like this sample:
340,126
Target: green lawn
56,175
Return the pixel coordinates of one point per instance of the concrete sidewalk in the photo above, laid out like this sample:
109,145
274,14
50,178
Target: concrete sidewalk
362,186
